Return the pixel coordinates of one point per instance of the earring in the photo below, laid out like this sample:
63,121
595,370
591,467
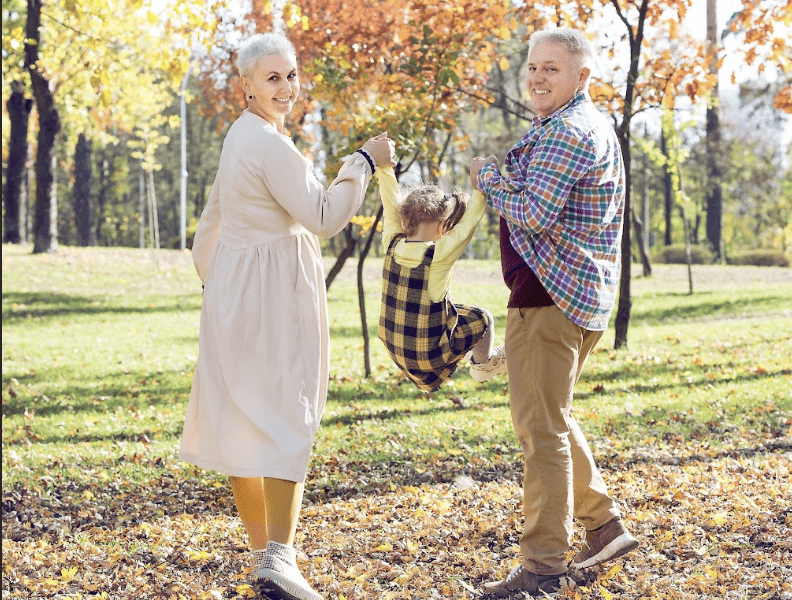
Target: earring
250,97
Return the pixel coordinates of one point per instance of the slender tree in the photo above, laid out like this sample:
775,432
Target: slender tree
19,107
635,35
82,191
45,233
668,195
714,199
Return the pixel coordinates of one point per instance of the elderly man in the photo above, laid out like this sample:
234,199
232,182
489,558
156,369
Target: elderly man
561,201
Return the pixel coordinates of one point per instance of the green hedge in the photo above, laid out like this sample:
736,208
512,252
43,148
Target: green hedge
675,255
759,258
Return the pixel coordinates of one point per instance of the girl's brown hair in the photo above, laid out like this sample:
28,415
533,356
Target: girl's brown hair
428,203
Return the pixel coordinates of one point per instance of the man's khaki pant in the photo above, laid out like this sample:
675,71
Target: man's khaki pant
546,353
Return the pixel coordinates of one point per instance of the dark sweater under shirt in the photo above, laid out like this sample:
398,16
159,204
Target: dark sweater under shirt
526,289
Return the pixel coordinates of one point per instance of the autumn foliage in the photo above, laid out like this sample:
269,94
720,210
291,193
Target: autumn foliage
765,27
400,66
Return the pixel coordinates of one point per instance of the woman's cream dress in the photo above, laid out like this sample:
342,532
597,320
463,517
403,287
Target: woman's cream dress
260,384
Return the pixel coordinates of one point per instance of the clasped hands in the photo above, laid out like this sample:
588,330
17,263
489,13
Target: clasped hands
477,164
382,150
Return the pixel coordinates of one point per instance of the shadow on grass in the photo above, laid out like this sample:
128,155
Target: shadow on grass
687,382
696,309
146,435
344,396
118,390
389,414
52,304
338,331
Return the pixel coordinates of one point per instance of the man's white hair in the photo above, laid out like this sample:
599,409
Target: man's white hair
574,40
262,44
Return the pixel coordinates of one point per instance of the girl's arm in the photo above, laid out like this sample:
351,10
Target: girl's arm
452,245
389,192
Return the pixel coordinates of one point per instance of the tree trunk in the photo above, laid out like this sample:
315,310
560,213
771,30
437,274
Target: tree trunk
361,292
688,252
153,213
19,109
25,208
694,233
348,250
83,201
625,300
642,224
713,138
45,221
142,208
668,194
102,196
643,249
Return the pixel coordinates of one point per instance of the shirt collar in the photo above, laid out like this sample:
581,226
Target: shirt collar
576,100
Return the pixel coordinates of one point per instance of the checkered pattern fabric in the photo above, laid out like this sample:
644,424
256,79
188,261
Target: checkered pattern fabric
425,339
562,193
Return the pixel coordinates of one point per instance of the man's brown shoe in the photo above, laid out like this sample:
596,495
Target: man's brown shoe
522,580
605,543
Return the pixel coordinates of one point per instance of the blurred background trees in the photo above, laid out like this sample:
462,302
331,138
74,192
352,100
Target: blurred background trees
92,120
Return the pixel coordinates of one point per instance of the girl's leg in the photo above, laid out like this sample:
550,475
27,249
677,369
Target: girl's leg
249,500
484,347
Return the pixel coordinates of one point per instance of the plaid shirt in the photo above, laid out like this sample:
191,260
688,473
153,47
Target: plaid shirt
562,195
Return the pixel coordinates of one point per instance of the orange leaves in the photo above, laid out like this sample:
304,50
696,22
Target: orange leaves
700,514
783,99
404,66
765,28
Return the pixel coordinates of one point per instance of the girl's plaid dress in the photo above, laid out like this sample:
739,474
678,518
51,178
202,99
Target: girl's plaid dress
425,339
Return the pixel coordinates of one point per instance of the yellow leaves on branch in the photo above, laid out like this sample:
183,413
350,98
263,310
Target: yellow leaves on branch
293,15
365,223
101,83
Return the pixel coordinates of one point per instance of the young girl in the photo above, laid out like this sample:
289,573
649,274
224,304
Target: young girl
426,334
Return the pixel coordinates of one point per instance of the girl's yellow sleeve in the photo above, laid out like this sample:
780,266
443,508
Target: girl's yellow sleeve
389,193
452,245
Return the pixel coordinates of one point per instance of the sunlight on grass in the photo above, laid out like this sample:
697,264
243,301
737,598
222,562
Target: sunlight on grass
690,426
99,348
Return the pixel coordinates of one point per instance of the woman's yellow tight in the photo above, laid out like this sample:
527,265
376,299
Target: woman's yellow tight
269,509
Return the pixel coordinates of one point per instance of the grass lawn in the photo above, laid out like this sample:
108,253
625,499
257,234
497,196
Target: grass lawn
408,495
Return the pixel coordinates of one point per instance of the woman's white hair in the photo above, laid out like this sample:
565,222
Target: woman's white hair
574,40
262,44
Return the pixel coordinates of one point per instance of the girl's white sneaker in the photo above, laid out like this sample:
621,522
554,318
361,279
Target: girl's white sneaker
496,363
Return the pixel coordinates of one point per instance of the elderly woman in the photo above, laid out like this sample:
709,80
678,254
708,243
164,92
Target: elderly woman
560,197
260,384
